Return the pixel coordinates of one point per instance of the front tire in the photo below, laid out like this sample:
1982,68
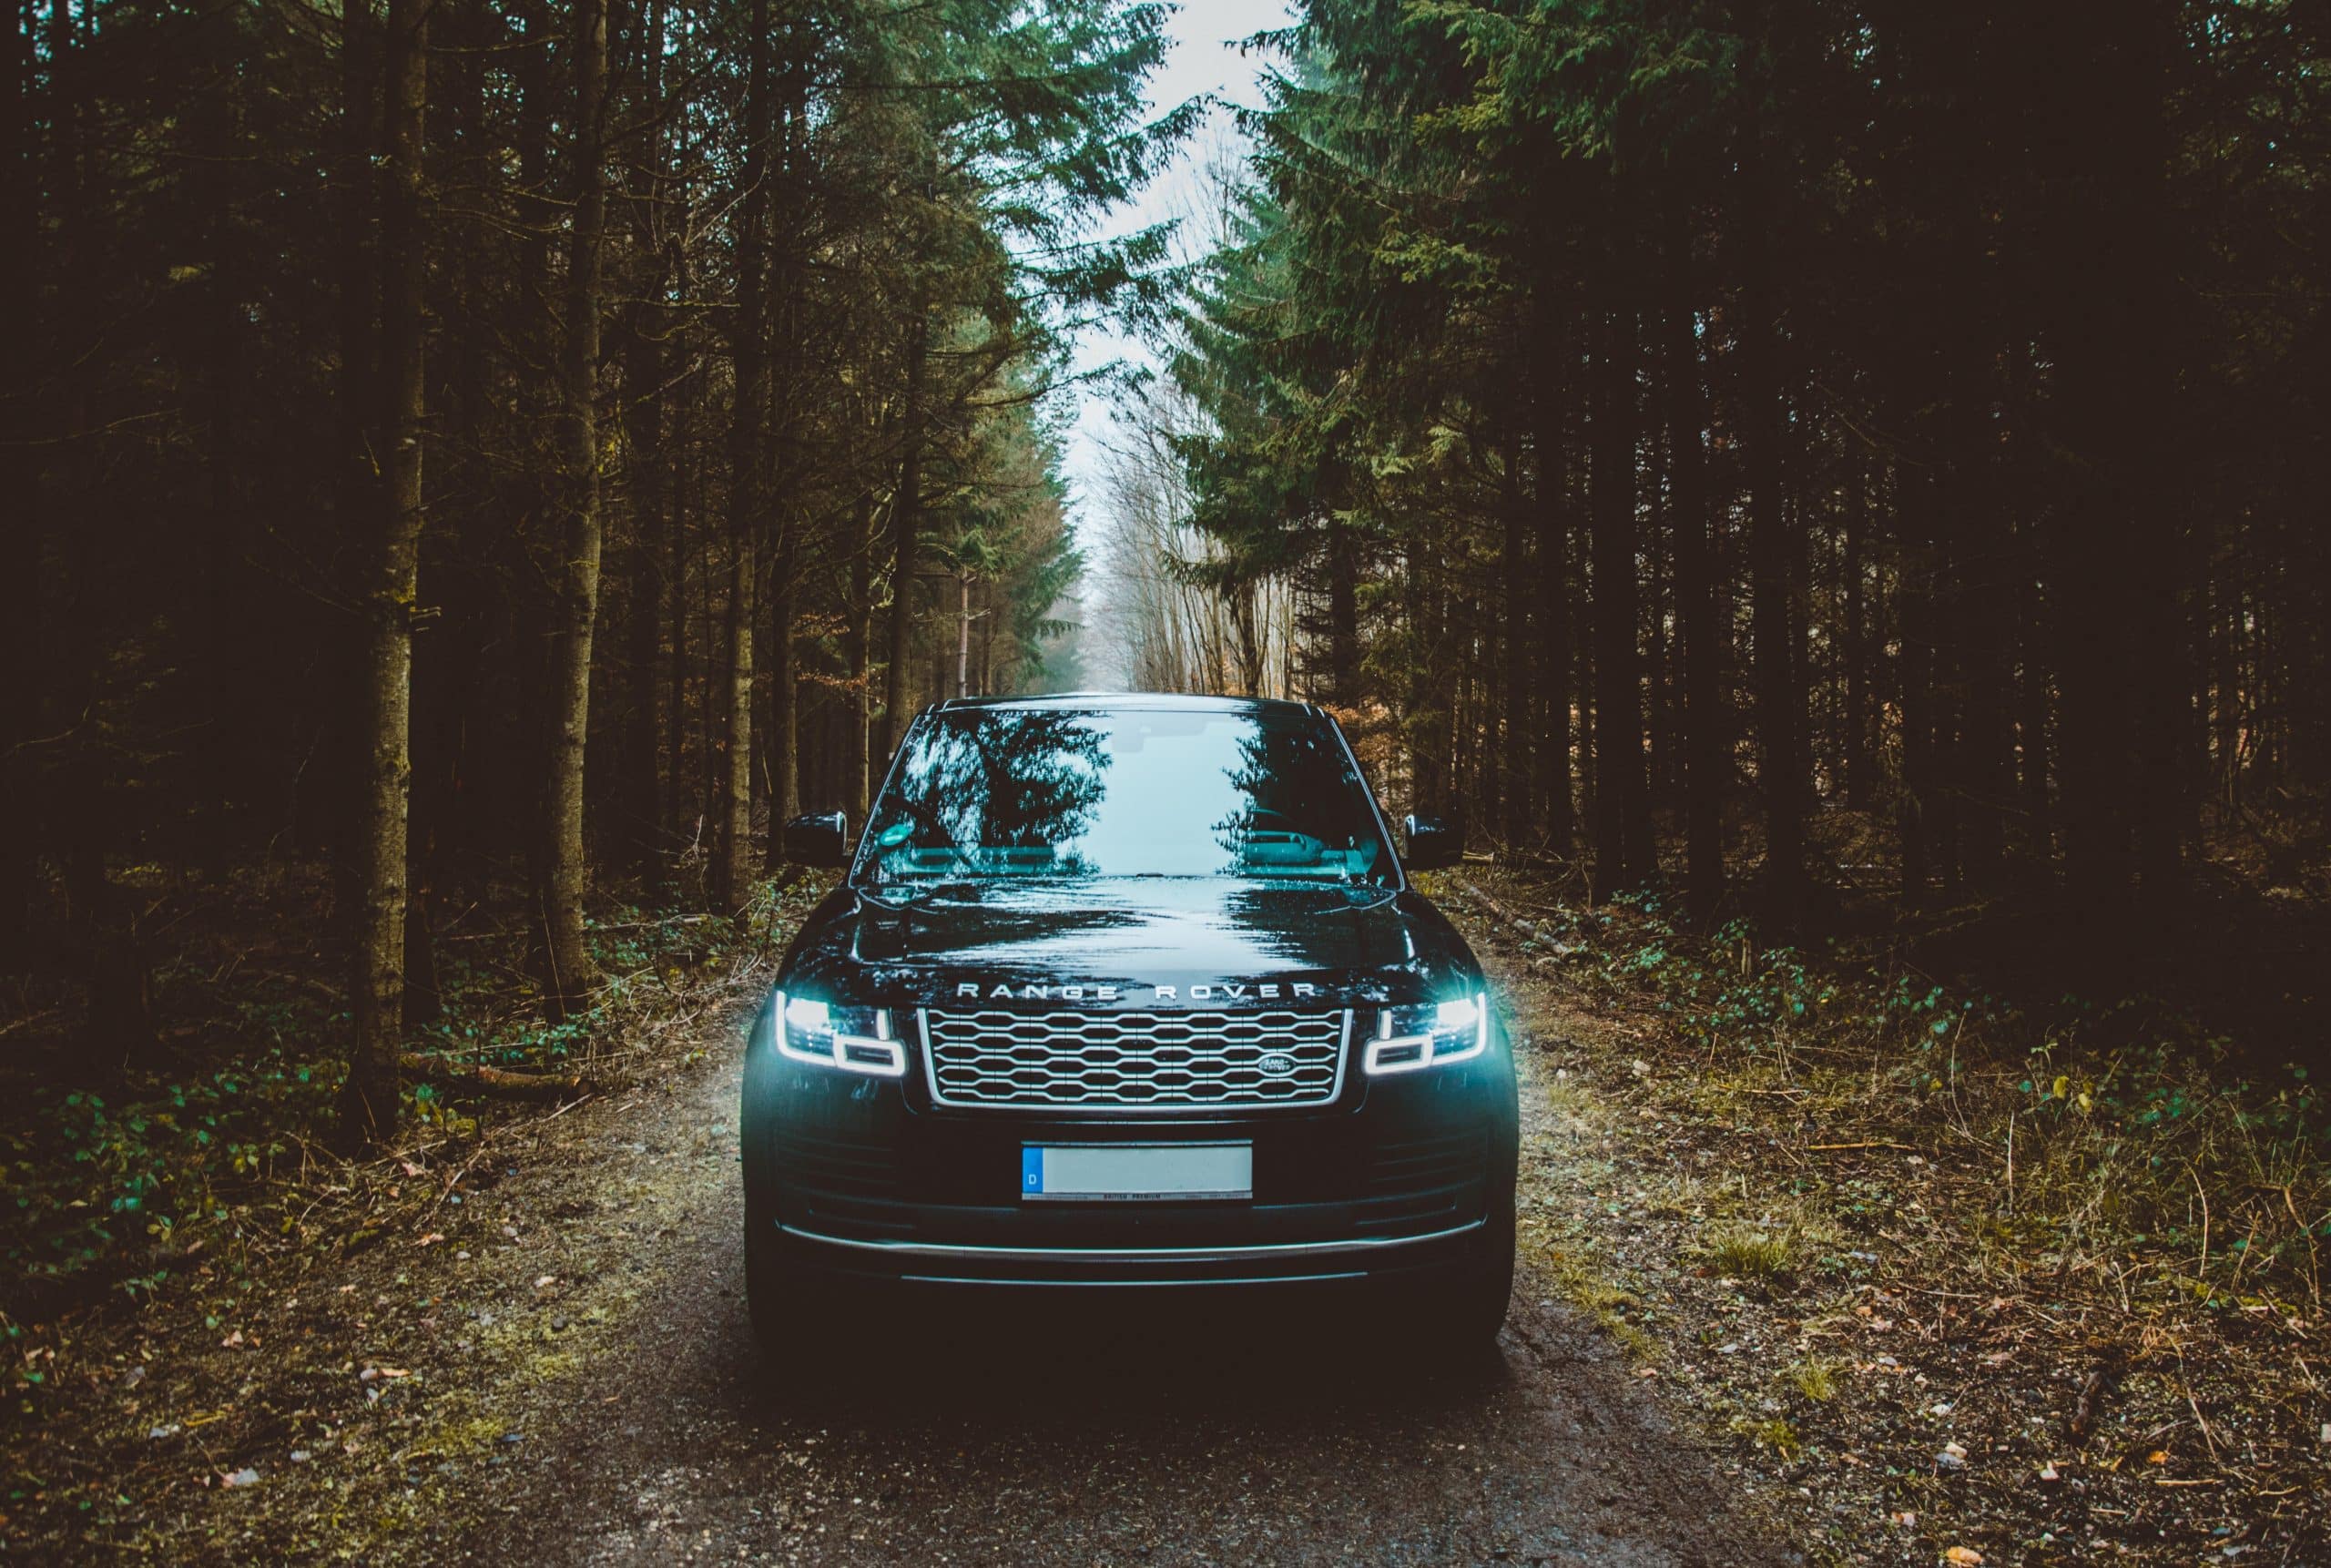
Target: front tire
780,1298
1486,1289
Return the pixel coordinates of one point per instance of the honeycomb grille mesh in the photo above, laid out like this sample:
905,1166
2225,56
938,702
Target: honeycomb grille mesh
1112,1061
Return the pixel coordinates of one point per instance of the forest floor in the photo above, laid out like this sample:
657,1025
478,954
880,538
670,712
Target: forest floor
1785,1297
1960,1283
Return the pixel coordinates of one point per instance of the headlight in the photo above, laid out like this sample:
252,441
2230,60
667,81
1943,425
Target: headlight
1408,1038
827,1034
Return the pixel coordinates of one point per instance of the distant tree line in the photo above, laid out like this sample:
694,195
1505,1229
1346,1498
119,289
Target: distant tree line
1682,418
490,440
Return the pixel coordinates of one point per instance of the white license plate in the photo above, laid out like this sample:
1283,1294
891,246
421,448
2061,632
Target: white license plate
1095,1172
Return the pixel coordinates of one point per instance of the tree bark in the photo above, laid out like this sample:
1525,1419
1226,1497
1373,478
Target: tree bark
1773,549
1343,617
1555,597
2162,563
906,525
570,974
20,519
1982,555
1618,695
389,593
732,888
1854,570
781,746
1508,759
2115,524
856,634
645,465
733,861
1704,766
1914,599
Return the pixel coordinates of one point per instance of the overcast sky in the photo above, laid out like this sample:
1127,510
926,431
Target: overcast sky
1201,60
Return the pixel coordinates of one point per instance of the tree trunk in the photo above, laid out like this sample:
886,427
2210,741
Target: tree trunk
1705,765
1772,549
1855,761
675,588
20,520
1510,756
1555,597
733,859
782,745
1430,681
906,523
732,887
2162,560
2037,668
963,634
388,595
1343,618
1618,694
856,633
645,465
571,973
2109,407
1983,559
1914,599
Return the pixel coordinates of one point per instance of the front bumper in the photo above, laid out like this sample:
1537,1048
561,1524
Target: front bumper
870,1180
1263,1263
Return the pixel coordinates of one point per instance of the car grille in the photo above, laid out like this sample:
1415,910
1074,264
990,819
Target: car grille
1142,1061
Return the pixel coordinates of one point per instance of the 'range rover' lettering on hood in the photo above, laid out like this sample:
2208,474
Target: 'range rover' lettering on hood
1133,944
1227,991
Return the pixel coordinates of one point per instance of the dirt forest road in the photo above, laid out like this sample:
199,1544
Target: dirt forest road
543,1359
1023,1435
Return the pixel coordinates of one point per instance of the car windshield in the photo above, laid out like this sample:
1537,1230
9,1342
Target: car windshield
984,793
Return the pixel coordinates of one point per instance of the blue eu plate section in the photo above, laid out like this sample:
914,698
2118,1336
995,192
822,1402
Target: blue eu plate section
1088,1173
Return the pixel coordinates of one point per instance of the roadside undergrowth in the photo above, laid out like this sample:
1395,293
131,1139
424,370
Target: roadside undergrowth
1942,1271
356,1352
211,1154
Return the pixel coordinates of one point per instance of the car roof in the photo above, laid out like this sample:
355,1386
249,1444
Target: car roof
1128,702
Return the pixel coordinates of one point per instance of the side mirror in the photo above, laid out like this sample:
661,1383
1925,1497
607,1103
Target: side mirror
822,839
1432,844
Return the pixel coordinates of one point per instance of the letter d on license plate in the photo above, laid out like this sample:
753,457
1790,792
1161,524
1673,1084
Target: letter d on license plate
1089,1173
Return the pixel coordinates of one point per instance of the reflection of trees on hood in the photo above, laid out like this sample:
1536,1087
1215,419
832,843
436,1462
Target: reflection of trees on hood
1003,779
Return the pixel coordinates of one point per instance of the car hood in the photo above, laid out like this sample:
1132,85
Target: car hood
1132,942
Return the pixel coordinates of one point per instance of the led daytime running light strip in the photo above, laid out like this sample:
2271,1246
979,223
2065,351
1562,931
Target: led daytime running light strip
1386,1052
850,1052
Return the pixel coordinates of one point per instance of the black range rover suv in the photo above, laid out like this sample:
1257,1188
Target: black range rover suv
1128,991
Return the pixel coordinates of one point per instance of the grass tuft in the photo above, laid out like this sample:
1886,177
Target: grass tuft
1814,1378
1752,1254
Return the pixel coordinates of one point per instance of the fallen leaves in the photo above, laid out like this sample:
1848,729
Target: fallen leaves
1963,1557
